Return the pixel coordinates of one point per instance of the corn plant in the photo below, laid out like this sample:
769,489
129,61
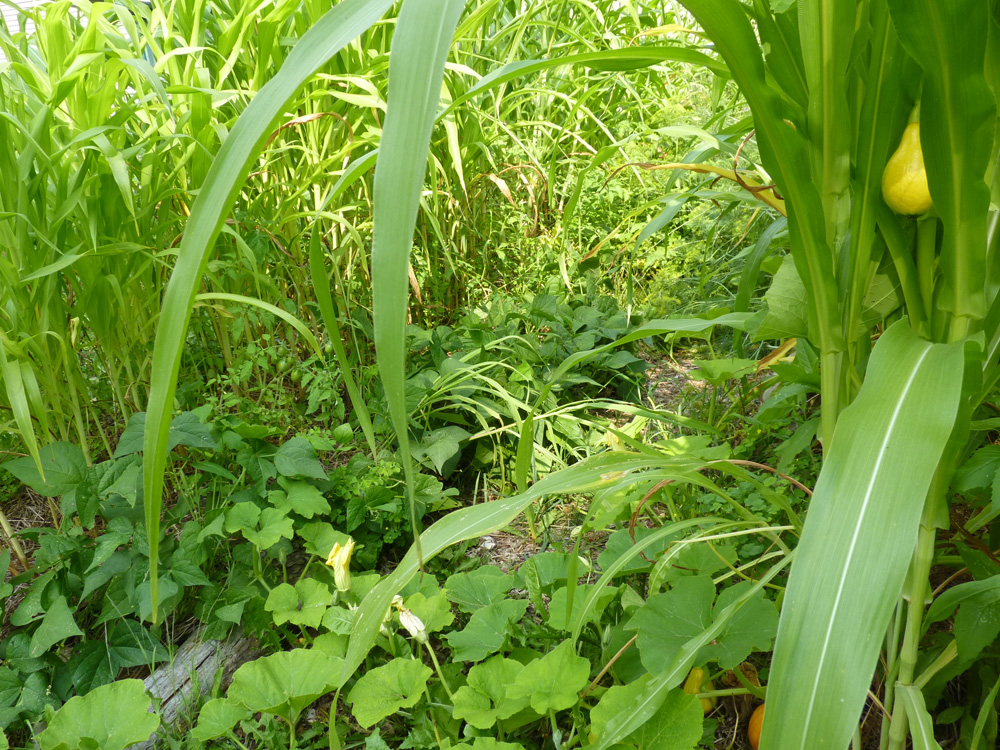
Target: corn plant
79,236
832,87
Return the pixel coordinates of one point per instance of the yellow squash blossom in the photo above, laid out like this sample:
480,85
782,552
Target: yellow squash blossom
340,561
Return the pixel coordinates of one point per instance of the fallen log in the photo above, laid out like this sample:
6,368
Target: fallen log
194,670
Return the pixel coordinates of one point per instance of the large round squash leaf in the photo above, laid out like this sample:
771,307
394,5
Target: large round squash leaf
285,683
111,717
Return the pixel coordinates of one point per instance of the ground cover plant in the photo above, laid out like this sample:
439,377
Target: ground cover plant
393,281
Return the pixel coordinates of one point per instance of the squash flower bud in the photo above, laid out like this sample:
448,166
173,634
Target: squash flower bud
413,624
340,561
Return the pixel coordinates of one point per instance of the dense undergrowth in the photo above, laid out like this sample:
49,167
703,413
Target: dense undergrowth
613,431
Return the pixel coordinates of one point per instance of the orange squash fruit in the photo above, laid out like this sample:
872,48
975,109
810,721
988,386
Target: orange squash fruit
756,722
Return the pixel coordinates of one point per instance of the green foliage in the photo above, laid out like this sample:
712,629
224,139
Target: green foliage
674,725
304,604
284,683
111,717
526,216
667,621
384,690
552,682
485,699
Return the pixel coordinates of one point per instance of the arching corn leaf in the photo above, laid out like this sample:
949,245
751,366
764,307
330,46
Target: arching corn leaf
863,517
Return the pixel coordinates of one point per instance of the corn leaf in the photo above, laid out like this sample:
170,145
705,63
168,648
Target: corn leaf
224,180
416,69
958,117
786,155
863,517
921,723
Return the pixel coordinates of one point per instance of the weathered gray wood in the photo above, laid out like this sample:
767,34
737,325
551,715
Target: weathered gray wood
194,669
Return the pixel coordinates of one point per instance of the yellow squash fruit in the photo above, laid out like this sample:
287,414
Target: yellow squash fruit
904,181
696,683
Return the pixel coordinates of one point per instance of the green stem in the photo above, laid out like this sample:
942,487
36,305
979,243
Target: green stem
902,255
830,363
926,260
258,570
437,668
919,588
13,543
755,690
306,569
529,514
960,327
556,734
334,738
730,691
892,665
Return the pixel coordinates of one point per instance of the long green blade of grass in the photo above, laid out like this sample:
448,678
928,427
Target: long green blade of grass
628,58
321,288
416,69
14,384
294,322
224,179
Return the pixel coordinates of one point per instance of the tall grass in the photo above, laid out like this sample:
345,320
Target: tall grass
113,115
